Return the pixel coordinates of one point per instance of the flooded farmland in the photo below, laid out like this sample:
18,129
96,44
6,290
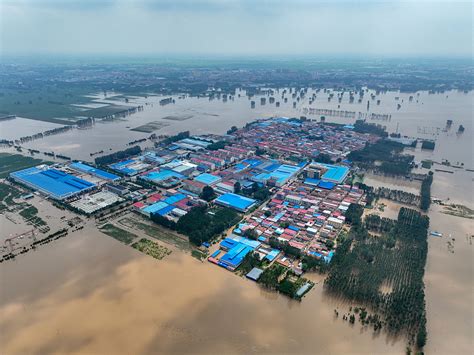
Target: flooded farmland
423,117
128,303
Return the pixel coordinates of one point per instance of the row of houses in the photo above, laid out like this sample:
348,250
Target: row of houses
287,137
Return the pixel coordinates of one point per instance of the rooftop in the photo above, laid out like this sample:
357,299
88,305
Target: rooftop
238,202
52,182
207,179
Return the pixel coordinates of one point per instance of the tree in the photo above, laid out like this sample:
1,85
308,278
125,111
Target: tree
323,158
262,194
217,145
421,338
251,234
122,154
237,187
232,130
354,213
426,192
200,226
259,151
208,193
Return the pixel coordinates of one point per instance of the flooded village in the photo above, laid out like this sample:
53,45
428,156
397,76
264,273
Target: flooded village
287,184
236,177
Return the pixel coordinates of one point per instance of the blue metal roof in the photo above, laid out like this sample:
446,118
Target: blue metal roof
165,210
155,207
310,181
335,173
326,185
235,201
236,255
272,255
207,179
55,183
94,171
162,175
175,198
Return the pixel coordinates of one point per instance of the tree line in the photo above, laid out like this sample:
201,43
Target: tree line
425,199
120,155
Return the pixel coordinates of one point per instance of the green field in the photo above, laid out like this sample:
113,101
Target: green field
30,214
157,232
151,248
7,194
42,104
118,233
52,104
195,253
13,162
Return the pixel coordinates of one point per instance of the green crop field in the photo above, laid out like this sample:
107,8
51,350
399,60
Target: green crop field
13,162
151,248
7,194
52,104
118,233
30,214
157,232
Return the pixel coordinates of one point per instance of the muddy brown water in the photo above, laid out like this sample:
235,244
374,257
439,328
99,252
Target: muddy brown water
94,295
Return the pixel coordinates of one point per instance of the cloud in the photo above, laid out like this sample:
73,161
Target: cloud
233,27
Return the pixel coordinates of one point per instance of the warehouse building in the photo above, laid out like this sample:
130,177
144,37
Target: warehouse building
52,182
237,202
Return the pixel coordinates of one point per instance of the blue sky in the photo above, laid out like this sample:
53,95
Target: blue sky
237,27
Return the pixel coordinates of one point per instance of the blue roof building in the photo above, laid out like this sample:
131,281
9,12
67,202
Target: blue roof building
52,182
334,173
238,202
207,179
94,171
236,252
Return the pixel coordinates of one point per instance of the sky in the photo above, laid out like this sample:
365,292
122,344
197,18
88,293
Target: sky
237,27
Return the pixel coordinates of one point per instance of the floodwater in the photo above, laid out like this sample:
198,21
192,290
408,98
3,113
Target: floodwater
94,295
89,293
421,119
449,285
21,127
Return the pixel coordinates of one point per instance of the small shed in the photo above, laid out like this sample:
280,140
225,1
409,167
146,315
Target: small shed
254,274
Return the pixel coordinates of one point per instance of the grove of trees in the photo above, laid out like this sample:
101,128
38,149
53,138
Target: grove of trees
387,153
385,273
199,225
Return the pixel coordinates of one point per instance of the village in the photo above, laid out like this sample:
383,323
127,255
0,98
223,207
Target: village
284,185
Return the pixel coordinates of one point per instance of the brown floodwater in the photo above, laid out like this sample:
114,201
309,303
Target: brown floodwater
449,285
421,119
95,295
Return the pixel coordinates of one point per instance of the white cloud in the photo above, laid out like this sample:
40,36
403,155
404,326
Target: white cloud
269,27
